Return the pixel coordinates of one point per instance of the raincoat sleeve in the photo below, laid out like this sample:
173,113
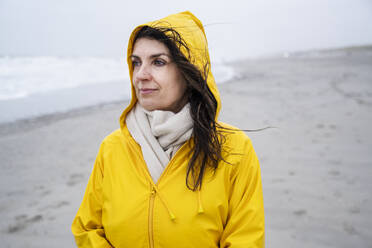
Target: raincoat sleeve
87,226
246,225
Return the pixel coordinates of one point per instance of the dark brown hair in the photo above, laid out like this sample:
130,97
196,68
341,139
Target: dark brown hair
207,146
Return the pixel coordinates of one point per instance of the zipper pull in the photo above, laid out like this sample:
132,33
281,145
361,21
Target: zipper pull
153,192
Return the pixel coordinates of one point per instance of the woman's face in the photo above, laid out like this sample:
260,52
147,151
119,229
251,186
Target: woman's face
158,82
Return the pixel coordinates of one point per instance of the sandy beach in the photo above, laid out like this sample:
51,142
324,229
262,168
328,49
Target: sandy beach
316,162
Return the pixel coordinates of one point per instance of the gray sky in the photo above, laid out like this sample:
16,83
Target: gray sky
244,28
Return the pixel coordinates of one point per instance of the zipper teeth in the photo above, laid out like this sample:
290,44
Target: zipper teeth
152,196
151,224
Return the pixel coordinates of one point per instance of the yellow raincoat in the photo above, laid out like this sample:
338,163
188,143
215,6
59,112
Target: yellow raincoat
123,207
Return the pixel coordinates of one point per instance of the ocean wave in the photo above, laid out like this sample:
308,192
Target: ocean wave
24,76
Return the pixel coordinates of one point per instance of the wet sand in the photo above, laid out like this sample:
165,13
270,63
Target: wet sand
316,162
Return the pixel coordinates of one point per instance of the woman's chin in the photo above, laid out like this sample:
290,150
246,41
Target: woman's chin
154,105
149,106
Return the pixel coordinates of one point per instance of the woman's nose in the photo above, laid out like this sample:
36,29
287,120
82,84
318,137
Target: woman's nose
143,73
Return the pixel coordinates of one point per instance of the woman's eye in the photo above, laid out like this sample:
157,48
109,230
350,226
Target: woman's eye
135,63
159,62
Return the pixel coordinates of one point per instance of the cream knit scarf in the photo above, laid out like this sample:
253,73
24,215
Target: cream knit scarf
160,134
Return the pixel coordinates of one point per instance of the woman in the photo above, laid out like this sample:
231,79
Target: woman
172,175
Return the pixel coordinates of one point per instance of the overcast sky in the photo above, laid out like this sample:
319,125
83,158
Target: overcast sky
235,29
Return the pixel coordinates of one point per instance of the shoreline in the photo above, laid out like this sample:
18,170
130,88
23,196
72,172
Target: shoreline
31,123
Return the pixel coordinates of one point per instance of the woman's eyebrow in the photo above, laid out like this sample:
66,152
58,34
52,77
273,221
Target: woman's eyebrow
133,56
159,54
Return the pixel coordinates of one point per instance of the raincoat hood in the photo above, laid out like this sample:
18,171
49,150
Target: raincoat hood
192,32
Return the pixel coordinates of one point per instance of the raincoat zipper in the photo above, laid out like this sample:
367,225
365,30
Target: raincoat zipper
152,199
151,212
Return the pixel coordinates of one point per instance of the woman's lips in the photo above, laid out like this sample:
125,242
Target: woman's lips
146,91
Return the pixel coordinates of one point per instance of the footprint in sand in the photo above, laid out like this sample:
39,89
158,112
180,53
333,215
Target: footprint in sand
351,181
39,187
300,212
334,173
75,179
332,126
21,217
46,192
16,192
54,206
21,222
42,188
337,194
320,126
278,180
314,141
354,210
348,228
